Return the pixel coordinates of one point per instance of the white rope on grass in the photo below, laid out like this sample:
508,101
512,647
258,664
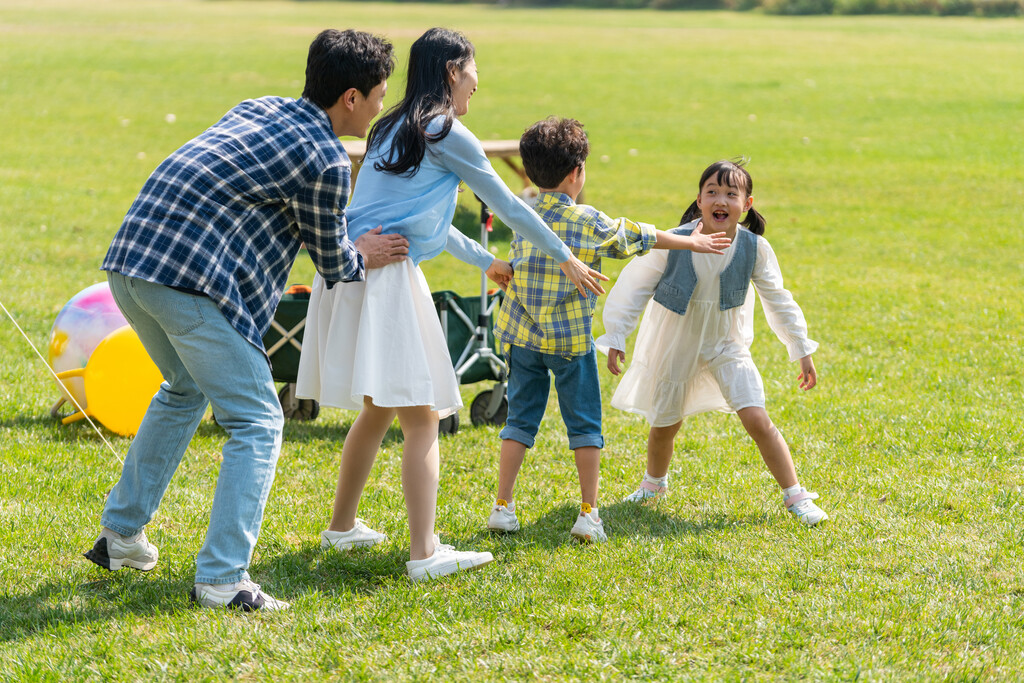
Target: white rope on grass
57,379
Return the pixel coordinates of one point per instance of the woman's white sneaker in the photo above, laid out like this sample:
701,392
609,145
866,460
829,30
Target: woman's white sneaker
445,560
359,536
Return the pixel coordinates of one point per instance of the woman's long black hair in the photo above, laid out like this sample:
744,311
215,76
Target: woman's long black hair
733,174
428,94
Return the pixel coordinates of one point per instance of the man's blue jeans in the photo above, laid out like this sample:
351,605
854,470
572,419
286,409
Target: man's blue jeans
579,396
202,358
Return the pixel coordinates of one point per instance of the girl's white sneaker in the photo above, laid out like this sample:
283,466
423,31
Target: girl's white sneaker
646,491
801,505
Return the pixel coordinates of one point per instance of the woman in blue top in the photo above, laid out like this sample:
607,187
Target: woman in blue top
377,346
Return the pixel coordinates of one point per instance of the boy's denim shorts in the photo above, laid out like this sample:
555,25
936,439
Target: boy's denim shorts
579,396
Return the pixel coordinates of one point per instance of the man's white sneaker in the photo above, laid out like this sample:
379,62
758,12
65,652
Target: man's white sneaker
801,505
359,536
112,551
503,518
445,560
646,491
244,595
588,529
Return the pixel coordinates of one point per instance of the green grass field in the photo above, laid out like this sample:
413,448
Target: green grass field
887,157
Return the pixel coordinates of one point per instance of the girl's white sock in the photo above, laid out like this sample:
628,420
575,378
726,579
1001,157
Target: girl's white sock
796,488
657,481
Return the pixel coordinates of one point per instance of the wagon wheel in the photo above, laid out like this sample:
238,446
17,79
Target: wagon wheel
297,408
448,425
478,409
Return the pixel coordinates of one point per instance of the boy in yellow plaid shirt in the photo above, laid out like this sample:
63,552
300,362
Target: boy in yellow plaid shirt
544,323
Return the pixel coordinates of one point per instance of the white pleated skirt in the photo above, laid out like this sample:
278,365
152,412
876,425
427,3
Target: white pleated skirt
381,339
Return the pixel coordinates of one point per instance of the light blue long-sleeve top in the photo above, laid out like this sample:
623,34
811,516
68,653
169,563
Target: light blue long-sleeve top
421,207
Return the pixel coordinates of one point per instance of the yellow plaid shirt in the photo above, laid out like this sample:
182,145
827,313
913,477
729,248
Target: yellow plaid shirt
542,310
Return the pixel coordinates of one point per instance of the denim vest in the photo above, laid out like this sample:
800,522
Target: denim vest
677,283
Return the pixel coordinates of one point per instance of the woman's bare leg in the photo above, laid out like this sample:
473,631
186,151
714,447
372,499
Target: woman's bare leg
357,457
420,474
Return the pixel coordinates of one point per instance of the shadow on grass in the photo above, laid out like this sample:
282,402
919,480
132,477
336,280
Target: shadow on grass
56,605
308,569
289,575
623,521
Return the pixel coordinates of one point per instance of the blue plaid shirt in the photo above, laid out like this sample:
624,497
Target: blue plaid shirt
542,310
225,215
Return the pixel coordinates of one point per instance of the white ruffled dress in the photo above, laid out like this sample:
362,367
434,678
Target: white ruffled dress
700,361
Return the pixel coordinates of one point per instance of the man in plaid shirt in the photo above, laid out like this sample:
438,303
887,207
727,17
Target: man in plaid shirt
198,267
544,323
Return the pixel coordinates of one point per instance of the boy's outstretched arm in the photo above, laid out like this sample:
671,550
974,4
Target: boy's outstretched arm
696,241
614,356
808,377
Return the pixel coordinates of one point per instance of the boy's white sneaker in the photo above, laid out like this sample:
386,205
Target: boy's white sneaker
588,528
801,505
244,595
503,518
359,536
112,551
646,491
445,560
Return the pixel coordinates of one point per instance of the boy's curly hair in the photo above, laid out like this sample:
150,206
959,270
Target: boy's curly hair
551,149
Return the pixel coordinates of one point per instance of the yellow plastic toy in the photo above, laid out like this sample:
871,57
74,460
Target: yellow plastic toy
120,381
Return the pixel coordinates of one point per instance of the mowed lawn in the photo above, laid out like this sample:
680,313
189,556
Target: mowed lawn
886,155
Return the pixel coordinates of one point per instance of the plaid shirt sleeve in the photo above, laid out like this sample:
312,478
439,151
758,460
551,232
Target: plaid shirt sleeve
598,236
318,209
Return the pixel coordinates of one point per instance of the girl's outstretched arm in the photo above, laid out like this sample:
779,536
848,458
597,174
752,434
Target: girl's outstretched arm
695,241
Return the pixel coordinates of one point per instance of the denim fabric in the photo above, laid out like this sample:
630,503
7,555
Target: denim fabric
579,396
202,357
676,286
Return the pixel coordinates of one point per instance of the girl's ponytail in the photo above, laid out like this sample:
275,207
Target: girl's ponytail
691,213
754,222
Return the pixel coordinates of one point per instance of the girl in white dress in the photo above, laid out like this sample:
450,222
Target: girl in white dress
692,353
377,346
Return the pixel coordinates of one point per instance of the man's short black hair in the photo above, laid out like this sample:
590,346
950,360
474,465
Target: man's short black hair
339,60
551,149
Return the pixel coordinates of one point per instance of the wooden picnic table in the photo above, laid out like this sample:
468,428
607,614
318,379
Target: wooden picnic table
506,150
